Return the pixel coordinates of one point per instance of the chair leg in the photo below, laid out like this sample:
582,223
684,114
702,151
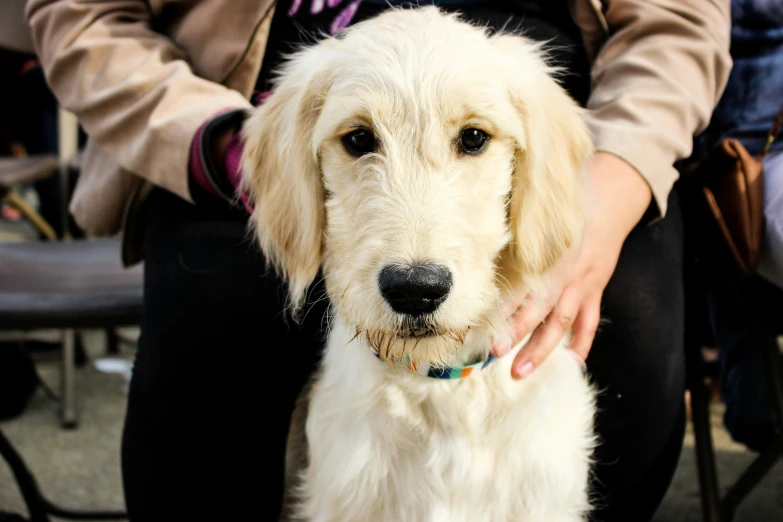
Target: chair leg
28,487
705,454
700,417
68,414
80,357
751,477
772,365
112,342
764,462
31,215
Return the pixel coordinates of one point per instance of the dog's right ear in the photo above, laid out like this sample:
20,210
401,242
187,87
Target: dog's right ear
547,211
281,173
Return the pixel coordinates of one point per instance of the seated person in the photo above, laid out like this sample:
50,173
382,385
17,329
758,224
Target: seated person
744,315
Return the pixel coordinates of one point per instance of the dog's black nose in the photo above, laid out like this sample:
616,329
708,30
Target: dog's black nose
415,290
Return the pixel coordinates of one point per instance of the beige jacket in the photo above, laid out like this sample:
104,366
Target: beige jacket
142,76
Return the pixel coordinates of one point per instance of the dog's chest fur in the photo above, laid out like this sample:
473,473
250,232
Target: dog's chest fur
394,446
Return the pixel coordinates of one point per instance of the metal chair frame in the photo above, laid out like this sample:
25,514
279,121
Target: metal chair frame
40,508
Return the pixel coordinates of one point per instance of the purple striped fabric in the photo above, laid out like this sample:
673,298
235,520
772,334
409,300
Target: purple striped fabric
231,162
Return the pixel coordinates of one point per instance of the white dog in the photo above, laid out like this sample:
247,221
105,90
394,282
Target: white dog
435,173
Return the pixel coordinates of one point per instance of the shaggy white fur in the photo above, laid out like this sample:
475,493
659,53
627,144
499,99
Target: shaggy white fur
385,444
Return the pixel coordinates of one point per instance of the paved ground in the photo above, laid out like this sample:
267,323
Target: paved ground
81,468
78,468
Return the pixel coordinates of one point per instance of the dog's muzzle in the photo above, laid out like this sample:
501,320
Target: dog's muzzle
417,328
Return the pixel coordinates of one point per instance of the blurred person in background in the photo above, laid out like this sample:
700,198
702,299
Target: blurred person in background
746,313
28,123
28,116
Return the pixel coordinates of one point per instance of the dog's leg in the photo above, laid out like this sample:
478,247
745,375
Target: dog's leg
296,455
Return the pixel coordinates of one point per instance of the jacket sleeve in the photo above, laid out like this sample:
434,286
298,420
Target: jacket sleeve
131,87
656,81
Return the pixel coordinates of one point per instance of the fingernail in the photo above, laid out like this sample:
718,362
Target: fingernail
524,370
577,358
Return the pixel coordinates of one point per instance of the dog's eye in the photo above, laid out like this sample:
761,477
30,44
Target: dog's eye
359,142
473,141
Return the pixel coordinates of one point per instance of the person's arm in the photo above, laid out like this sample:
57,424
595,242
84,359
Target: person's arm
654,85
131,87
656,81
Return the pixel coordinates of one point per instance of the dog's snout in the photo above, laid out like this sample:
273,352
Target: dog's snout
415,290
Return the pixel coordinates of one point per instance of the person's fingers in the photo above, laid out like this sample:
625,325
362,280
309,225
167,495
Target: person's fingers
585,327
526,319
547,337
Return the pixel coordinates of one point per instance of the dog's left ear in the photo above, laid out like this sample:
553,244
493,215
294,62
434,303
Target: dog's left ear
280,170
546,210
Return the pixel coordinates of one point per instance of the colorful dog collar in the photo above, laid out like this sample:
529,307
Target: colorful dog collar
442,372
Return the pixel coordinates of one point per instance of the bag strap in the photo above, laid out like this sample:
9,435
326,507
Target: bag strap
772,134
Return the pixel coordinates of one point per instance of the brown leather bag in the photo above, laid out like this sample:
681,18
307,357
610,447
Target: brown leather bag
724,210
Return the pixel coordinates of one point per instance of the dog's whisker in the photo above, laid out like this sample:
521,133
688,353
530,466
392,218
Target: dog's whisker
326,318
491,324
345,291
506,284
415,345
389,341
323,297
439,355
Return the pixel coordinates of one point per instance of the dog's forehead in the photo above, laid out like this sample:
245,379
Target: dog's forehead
420,26
417,45
418,58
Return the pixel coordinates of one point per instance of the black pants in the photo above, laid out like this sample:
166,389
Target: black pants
218,369
216,373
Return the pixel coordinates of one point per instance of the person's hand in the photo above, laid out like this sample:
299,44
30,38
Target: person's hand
618,197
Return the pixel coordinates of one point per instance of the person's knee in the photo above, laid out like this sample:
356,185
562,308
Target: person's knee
638,358
639,370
